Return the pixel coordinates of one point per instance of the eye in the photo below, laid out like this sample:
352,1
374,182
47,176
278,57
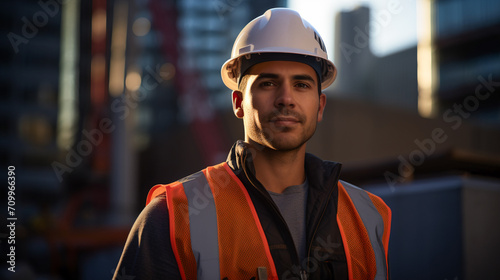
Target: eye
302,85
267,84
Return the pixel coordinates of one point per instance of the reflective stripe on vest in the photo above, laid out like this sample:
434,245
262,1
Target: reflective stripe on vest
197,202
203,225
364,218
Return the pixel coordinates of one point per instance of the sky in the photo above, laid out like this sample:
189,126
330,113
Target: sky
395,20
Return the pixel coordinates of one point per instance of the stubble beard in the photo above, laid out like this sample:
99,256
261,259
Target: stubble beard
282,138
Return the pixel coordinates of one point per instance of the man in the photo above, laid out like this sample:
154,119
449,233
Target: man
271,211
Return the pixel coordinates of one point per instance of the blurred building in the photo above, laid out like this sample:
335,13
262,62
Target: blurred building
389,80
30,95
459,58
29,111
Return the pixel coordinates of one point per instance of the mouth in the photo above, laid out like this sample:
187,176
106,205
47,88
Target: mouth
284,120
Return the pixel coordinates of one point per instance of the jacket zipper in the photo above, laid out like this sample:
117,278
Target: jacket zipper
317,226
278,213
265,195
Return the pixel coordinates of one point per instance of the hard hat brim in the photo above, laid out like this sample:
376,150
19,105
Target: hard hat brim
230,70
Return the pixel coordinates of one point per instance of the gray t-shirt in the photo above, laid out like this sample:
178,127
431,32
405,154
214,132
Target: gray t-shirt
292,204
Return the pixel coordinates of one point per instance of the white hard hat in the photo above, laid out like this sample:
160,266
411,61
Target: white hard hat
279,31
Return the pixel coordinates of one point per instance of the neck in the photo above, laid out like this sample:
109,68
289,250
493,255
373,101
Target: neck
277,170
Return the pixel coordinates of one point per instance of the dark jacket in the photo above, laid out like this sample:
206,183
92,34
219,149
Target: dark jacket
148,253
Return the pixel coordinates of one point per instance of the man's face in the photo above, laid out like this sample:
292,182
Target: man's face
280,105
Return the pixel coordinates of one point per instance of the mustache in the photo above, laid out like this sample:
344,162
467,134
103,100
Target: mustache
283,113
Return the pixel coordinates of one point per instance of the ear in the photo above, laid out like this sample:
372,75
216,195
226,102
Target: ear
321,108
237,99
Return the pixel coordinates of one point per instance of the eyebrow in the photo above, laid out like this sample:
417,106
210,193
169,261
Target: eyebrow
304,77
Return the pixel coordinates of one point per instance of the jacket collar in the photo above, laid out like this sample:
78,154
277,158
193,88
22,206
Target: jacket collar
321,174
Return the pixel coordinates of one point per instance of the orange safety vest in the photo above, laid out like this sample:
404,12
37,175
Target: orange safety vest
215,231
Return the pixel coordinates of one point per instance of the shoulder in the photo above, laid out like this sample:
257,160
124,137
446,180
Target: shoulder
155,212
361,196
351,188
349,185
353,191
148,253
161,189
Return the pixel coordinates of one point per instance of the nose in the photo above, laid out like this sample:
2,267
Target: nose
284,96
